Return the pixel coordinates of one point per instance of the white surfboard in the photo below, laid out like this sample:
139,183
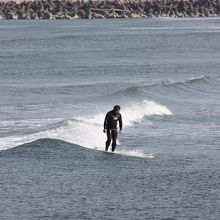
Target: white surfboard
131,154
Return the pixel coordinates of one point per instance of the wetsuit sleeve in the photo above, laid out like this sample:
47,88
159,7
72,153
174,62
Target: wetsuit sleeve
106,121
120,122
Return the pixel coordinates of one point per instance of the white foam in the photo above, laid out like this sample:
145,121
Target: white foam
134,113
134,153
87,131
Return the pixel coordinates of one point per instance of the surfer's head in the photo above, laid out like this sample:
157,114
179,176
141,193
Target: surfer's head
117,108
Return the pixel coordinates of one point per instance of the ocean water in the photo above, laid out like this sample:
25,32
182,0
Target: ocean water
57,81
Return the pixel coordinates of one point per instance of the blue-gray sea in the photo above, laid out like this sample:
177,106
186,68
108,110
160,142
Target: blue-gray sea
57,81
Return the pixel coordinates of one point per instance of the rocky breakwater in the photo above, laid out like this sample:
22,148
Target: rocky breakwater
69,9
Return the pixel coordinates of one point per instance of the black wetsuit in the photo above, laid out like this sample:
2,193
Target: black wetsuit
110,124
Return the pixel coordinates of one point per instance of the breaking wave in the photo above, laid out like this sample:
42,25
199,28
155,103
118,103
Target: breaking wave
87,131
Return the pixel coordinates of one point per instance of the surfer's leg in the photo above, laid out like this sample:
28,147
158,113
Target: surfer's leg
114,137
108,142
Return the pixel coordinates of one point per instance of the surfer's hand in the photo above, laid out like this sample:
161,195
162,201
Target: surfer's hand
120,132
104,130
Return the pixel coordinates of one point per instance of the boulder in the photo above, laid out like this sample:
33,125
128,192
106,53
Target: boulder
11,15
47,15
97,16
34,16
133,15
23,15
75,17
112,15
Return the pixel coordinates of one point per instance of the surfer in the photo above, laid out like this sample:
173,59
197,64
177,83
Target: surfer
110,126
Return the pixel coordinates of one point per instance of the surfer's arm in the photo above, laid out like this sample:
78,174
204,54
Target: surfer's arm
106,121
120,123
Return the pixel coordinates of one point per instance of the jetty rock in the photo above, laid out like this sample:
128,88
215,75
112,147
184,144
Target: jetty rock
101,9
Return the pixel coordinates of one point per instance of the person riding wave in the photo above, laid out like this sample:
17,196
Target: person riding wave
110,126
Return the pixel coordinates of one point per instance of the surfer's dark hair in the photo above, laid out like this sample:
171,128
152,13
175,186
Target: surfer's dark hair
117,107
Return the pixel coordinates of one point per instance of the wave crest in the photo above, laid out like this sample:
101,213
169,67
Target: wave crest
133,113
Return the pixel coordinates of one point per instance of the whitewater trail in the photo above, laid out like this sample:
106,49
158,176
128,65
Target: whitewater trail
87,131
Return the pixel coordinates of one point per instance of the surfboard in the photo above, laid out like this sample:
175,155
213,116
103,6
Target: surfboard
131,154
109,152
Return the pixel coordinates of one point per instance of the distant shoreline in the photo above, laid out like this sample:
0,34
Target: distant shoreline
98,9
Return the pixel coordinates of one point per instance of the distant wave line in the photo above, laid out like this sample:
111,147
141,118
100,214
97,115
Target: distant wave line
163,84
